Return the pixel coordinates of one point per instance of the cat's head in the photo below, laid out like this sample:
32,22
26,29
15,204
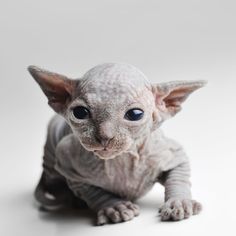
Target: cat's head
113,105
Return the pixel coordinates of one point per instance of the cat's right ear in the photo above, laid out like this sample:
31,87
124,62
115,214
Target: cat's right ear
58,88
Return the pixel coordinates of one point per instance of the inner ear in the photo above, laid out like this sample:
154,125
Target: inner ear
58,88
176,97
171,95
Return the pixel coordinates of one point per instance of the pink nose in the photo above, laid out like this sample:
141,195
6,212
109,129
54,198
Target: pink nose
106,133
105,142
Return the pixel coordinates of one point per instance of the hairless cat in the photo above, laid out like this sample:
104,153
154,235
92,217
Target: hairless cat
104,148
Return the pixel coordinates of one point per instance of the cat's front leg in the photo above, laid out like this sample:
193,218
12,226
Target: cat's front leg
178,201
109,207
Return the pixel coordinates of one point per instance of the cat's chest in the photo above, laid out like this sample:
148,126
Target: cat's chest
130,175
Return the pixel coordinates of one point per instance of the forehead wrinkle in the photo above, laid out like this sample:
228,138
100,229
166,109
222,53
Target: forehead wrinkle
112,82
112,72
108,89
117,95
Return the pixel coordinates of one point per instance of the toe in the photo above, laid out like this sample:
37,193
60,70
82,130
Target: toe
165,213
101,218
177,210
188,208
197,207
135,208
177,213
113,215
127,215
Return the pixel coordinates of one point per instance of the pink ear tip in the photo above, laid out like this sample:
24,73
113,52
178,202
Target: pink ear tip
202,82
197,83
32,69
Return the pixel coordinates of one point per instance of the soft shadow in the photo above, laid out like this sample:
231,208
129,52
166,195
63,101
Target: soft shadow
74,216
26,201
67,215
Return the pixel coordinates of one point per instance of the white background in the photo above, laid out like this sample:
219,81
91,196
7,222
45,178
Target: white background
167,40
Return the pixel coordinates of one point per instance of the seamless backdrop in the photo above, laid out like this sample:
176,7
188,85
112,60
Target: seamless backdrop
167,40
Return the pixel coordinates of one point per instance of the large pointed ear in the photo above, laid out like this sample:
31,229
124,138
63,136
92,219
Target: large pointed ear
170,96
58,88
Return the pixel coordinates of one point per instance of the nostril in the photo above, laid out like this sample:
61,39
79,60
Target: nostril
105,142
98,139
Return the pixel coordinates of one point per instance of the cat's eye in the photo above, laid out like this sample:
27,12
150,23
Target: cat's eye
81,112
134,114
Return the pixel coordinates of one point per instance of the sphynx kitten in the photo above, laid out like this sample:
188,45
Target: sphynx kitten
105,149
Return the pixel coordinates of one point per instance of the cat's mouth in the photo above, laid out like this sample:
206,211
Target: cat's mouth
109,152
105,153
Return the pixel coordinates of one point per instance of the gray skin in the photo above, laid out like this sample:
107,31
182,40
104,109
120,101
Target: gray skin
105,160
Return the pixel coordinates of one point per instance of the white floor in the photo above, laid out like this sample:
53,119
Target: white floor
167,40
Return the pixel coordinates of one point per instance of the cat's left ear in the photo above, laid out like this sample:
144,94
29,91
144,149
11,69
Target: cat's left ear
170,96
58,88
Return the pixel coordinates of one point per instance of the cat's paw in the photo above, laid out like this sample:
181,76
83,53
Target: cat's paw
179,209
119,212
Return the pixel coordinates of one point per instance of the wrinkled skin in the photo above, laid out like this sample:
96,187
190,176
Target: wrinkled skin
105,159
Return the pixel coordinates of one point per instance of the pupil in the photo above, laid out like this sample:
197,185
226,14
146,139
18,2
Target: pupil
81,112
134,114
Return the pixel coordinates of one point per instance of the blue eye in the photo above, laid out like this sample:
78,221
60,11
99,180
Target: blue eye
134,114
81,112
